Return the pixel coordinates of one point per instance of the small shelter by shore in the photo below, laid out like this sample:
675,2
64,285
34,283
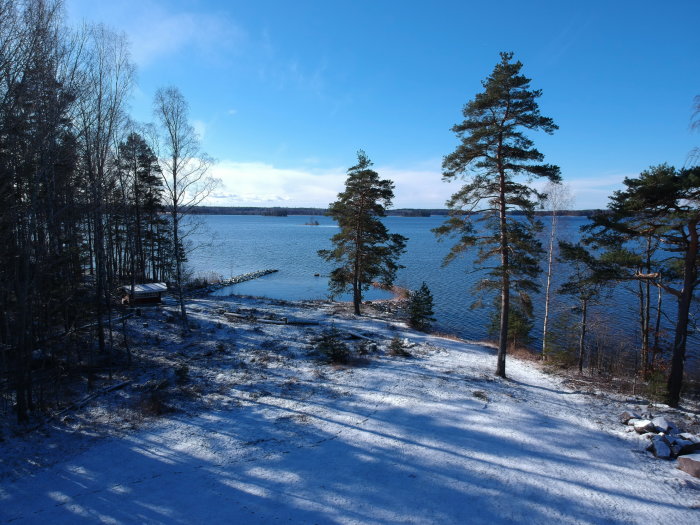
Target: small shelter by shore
149,293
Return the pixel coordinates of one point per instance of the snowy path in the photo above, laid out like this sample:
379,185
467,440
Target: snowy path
399,441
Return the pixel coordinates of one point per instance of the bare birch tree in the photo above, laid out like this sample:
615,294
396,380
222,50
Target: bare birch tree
558,198
184,169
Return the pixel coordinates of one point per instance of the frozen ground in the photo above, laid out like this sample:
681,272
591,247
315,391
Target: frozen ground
272,436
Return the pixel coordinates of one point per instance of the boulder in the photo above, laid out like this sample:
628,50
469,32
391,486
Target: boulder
690,464
660,424
642,426
689,437
626,416
683,447
660,447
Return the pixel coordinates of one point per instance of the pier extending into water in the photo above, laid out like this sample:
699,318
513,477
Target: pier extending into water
239,279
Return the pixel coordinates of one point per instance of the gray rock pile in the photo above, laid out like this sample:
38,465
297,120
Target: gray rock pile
666,439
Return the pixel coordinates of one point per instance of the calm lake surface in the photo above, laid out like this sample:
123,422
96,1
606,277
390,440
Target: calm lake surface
237,244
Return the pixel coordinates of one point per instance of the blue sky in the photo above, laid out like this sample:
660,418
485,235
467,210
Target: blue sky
284,93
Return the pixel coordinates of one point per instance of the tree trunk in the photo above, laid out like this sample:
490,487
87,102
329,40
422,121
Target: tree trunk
582,338
550,260
505,284
178,268
675,379
356,297
657,330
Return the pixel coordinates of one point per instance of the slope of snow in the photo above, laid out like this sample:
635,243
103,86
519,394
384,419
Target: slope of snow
430,439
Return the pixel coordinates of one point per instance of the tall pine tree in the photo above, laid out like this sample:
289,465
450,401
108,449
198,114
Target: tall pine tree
662,204
493,152
364,247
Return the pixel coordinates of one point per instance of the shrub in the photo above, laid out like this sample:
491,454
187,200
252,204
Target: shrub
153,403
330,348
365,347
420,308
396,348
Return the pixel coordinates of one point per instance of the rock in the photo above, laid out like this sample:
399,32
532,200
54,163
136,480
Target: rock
673,428
660,447
660,424
683,447
690,464
643,426
689,437
626,416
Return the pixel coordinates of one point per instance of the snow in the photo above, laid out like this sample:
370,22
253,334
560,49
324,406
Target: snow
279,437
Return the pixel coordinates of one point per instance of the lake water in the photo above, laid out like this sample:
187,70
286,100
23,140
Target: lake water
237,244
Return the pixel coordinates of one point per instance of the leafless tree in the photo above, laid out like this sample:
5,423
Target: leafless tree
558,198
694,155
107,76
185,173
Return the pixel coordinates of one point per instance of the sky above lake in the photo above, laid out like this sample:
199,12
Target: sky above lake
284,93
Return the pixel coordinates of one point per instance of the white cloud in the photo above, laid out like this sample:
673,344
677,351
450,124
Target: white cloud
593,192
262,184
232,112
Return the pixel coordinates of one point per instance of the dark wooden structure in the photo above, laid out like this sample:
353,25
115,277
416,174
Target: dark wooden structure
149,293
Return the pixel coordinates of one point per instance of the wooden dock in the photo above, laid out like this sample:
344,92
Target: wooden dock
238,279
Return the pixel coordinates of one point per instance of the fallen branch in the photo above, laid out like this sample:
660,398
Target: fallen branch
79,404
358,336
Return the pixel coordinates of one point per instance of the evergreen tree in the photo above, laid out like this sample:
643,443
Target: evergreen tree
586,282
420,308
520,324
662,203
363,247
493,152
142,192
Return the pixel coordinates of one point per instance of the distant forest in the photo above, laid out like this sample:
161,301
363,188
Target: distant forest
398,212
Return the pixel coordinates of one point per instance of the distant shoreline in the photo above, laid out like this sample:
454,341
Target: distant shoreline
397,212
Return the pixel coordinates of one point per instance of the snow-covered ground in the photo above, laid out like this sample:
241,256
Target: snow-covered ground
276,437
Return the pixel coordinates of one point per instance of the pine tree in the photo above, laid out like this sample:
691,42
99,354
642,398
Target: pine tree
364,247
493,152
662,203
142,189
587,279
420,308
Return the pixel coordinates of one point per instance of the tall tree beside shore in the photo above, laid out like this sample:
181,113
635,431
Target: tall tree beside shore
140,188
492,153
662,204
184,168
364,247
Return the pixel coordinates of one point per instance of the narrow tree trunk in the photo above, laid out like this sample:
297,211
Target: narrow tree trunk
582,338
547,298
356,297
645,312
657,330
178,271
505,284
